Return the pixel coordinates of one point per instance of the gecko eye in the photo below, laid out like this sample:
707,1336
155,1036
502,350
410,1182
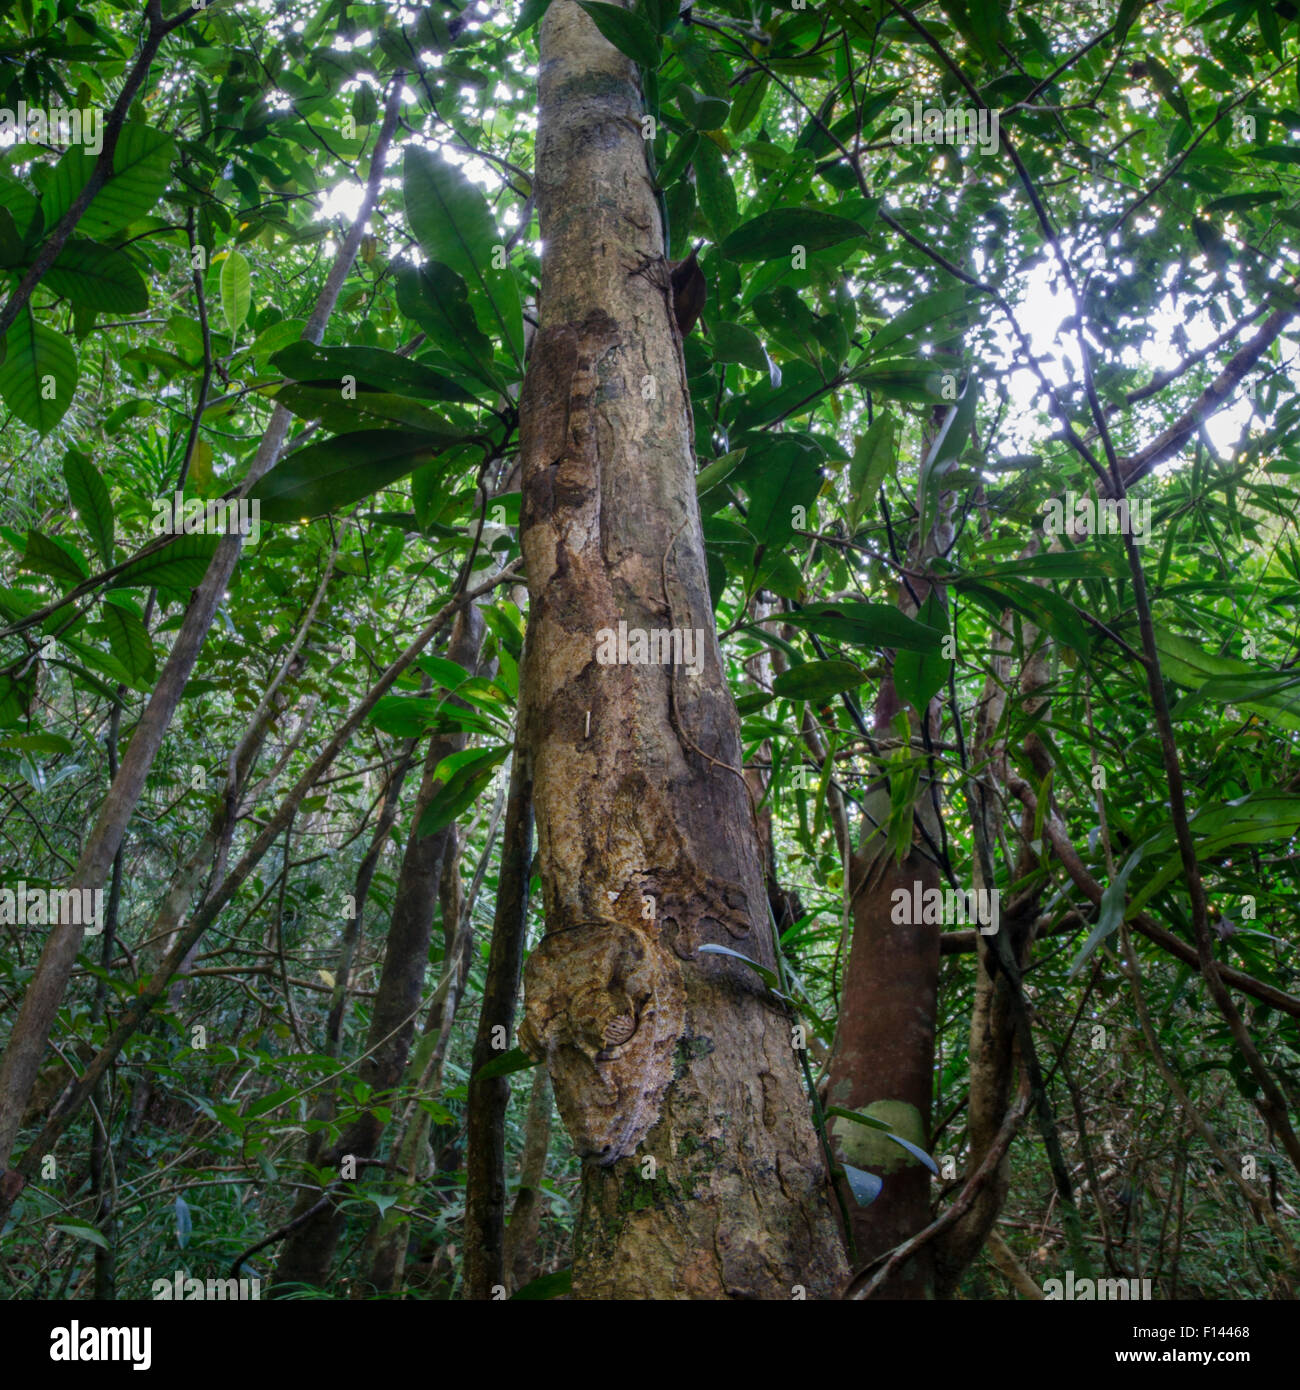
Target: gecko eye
619,1030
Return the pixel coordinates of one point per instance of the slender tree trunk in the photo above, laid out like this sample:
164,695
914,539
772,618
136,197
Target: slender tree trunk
674,1070
391,1232
526,1215
992,1030
309,1248
485,1141
884,1048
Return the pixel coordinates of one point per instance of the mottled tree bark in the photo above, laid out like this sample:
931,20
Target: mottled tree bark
674,1069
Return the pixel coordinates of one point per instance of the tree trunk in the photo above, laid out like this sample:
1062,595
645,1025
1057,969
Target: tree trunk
485,1136
309,1249
674,1069
885,1042
526,1215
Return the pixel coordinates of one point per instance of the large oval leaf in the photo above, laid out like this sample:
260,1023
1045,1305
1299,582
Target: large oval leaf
141,169
630,34
39,376
339,471
453,224
88,494
236,291
818,680
96,277
774,235
865,625
374,368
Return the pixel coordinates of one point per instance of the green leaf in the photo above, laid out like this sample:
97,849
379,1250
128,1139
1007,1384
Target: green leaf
1167,84
373,410
748,101
716,189
337,472
919,676
715,472
236,291
779,474
375,369
90,500
734,343
1045,609
904,380
464,776
871,1121
1110,913
408,716
278,337
96,277
547,1286
765,973
864,1186
1183,661
530,13
19,202
451,220
36,743
15,696
866,625
775,235
1277,154
1236,690
436,298
818,680
1052,564
871,460
631,35
180,564
38,378
141,169
927,312
675,165
514,1060
1268,26
365,106
702,113
82,1230
12,251
128,639
58,558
